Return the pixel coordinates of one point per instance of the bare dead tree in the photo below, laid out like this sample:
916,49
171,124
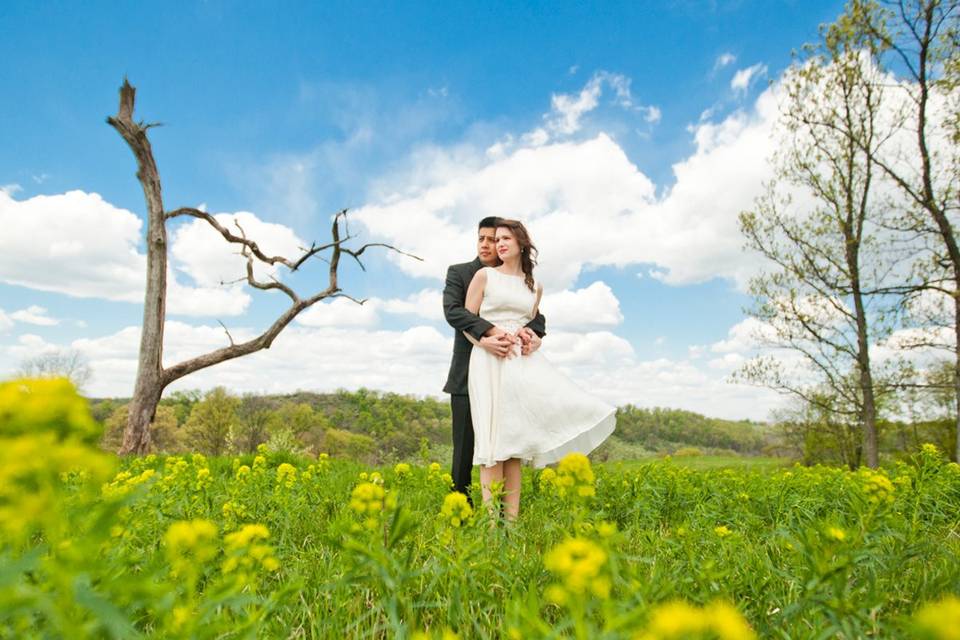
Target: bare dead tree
152,376
66,363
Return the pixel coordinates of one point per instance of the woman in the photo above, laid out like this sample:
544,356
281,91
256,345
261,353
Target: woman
523,408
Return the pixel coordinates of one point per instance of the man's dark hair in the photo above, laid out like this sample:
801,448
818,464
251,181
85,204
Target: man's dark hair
488,222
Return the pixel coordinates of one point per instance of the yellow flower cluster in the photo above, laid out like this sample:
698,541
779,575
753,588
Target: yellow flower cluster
939,620
931,450
835,533
259,464
125,482
243,474
233,513
678,619
456,509
173,468
203,479
401,469
367,500
247,553
579,565
446,634
722,531
574,476
286,475
876,486
190,543
46,437
52,405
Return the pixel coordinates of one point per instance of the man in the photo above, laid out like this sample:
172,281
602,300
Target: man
494,340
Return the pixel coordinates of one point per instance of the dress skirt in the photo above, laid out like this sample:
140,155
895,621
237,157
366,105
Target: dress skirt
524,407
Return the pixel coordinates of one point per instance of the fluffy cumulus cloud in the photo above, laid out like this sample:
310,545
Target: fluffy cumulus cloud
591,307
200,252
78,244
586,203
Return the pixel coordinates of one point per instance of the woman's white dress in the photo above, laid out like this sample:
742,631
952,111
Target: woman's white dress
523,406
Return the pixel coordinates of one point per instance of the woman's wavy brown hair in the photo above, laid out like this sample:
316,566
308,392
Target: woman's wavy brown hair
528,252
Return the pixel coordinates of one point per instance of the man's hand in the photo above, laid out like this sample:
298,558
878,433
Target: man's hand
530,341
498,345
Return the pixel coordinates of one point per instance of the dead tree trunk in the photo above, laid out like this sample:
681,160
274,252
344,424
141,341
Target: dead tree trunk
152,377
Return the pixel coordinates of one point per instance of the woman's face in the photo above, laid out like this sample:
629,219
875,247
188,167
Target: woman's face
507,245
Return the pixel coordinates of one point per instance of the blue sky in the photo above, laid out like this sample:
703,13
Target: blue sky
293,113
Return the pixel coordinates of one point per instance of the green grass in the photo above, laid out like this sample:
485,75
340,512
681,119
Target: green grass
703,462
800,553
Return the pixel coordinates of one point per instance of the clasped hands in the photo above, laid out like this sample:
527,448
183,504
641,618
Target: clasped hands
501,344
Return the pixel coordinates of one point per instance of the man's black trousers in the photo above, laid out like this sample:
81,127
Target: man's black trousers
462,443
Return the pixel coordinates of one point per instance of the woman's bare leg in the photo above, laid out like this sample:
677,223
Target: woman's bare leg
511,485
489,475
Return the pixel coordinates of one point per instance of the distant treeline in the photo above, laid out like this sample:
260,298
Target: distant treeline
664,430
381,427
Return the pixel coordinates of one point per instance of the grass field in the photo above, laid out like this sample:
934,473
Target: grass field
274,546
754,463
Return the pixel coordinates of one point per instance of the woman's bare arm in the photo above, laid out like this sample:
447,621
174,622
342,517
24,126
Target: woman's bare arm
475,298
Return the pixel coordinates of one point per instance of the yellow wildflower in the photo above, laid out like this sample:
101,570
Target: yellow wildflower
575,476
579,564
367,499
286,475
678,619
722,531
243,473
247,553
939,620
401,469
876,486
190,543
456,509
836,533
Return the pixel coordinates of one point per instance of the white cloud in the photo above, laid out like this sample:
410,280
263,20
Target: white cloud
585,203
742,78
568,109
6,322
74,243
592,307
34,315
201,252
78,244
412,361
744,337
10,189
723,60
341,312
426,304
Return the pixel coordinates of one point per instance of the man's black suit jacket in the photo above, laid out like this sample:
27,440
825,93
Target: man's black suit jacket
454,297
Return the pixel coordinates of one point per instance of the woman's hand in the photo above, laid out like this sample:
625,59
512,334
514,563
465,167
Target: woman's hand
529,341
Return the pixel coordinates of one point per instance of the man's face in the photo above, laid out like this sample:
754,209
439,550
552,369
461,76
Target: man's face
487,246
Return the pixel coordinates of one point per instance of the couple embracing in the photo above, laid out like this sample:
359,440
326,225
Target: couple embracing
509,403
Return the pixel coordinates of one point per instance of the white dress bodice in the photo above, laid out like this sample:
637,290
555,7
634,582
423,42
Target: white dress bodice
507,300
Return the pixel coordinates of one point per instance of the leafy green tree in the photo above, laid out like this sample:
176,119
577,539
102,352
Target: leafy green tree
166,437
207,430
918,43
832,269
